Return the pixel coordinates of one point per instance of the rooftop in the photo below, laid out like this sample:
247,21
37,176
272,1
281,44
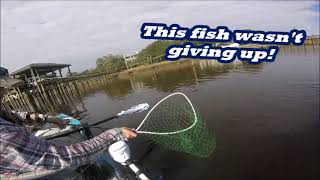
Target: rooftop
41,68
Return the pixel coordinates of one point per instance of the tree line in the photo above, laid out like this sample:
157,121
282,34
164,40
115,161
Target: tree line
114,62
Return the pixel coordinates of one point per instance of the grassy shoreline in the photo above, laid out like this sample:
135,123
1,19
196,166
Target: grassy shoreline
151,66
308,42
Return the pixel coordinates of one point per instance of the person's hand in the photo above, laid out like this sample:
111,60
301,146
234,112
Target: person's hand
56,121
60,124
129,133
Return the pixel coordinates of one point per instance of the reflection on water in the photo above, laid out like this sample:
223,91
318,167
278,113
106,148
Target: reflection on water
299,50
170,77
265,117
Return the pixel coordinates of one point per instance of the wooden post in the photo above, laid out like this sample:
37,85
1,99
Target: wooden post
87,80
22,99
36,84
75,84
11,102
71,89
125,61
194,71
39,79
49,100
99,78
62,92
16,99
55,93
4,104
33,76
69,71
51,95
38,101
60,73
42,90
312,44
150,60
31,102
83,86
70,94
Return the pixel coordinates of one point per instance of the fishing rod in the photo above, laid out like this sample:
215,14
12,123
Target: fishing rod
135,109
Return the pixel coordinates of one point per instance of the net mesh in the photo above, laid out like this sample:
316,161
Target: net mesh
174,124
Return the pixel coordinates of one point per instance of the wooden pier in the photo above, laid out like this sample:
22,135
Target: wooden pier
44,91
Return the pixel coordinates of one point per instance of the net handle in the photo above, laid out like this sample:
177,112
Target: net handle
168,133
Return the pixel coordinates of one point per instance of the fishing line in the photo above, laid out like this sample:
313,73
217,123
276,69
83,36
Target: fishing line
81,173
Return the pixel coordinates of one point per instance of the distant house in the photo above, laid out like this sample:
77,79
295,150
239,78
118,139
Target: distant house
130,58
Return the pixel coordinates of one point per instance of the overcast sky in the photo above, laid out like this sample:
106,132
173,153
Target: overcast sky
78,32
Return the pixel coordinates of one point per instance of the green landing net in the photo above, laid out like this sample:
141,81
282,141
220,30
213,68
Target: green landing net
173,123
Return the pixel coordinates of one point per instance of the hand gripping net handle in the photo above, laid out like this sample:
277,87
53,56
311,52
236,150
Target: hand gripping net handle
174,132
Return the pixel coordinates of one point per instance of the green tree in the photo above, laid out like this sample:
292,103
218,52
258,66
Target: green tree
159,47
110,63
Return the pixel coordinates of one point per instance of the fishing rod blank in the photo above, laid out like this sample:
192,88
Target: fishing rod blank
135,109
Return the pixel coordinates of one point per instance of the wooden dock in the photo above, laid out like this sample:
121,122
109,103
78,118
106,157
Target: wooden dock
42,94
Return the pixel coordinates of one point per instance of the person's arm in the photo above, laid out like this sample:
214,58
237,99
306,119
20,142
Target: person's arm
29,117
24,151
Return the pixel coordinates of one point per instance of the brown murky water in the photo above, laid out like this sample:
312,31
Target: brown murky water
265,117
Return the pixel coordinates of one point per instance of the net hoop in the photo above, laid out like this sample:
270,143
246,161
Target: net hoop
168,133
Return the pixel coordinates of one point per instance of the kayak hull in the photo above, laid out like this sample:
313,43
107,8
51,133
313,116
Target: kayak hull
48,130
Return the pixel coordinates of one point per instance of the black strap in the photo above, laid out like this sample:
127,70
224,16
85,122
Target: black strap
28,116
129,162
138,172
